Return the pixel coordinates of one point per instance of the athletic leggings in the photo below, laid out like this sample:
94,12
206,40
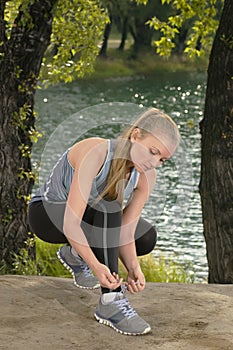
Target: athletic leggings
101,225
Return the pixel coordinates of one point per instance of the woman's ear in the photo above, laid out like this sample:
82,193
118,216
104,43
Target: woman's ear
135,134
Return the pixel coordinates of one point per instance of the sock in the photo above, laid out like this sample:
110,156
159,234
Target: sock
108,297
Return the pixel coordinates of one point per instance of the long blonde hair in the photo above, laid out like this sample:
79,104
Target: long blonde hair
151,121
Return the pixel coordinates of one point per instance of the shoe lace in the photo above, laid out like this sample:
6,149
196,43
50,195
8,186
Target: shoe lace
86,269
124,305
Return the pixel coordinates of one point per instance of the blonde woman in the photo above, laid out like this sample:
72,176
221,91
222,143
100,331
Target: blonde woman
92,201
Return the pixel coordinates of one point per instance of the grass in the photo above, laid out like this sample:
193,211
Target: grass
47,264
118,64
161,270
124,63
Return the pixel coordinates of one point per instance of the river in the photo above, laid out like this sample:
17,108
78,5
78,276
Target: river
67,112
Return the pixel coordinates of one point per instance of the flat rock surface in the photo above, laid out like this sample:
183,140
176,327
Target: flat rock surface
43,313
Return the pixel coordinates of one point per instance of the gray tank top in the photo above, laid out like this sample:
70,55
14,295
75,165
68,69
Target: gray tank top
56,188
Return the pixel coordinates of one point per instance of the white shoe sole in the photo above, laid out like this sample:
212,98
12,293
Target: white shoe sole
109,323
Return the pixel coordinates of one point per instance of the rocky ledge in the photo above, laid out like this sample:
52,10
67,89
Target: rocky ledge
46,313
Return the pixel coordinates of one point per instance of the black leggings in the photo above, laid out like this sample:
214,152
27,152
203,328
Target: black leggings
43,216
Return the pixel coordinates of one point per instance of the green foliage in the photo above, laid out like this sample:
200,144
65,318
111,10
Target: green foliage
28,174
143,2
20,121
12,9
25,150
20,118
47,264
10,13
34,135
166,43
8,216
118,64
23,264
161,270
77,33
204,16
47,261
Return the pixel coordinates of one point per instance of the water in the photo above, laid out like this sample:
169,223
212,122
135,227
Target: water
174,206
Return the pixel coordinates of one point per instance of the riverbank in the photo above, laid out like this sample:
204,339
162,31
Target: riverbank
47,313
120,63
117,64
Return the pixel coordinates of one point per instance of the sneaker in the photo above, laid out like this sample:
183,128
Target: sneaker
119,315
82,275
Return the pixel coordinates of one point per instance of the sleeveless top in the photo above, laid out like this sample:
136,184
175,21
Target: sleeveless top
56,188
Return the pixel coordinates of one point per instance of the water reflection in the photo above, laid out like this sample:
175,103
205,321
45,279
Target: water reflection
174,206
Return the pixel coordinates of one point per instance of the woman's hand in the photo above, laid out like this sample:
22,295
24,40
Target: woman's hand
106,278
135,281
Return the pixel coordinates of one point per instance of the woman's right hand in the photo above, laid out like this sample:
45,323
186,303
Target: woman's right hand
106,278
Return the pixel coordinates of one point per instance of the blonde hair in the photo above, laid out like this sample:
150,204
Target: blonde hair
150,122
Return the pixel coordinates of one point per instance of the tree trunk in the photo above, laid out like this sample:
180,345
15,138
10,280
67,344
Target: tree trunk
20,64
182,37
124,32
142,36
107,31
216,185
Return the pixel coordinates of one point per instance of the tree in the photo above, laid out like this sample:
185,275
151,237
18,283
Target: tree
216,126
141,33
26,29
107,30
129,16
216,186
139,15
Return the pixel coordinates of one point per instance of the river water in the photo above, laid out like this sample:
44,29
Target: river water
68,112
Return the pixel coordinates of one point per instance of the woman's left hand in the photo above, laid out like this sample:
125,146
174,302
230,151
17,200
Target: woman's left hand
135,281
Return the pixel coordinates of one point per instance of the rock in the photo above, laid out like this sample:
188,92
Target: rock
46,313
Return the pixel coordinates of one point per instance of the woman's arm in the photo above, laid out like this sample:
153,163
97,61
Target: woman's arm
90,157
131,215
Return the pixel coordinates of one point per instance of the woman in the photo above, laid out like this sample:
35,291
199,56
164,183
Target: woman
92,201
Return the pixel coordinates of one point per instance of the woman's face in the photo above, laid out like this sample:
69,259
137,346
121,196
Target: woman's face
148,152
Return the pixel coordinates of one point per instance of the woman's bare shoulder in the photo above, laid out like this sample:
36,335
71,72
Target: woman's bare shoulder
96,145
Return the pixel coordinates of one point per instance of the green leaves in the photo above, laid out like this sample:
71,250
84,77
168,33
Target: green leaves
202,22
77,34
78,27
11,11
141,2
165,43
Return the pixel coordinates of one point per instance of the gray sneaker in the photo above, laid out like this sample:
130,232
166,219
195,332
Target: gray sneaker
119,315
82,275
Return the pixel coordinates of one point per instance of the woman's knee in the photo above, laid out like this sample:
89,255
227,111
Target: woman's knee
145,237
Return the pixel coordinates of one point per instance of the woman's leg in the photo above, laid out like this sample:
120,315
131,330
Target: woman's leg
105,220
114,309
145,237
104,235
46,221
101,225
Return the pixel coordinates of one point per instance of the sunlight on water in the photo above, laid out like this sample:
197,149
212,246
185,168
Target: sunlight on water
174,206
